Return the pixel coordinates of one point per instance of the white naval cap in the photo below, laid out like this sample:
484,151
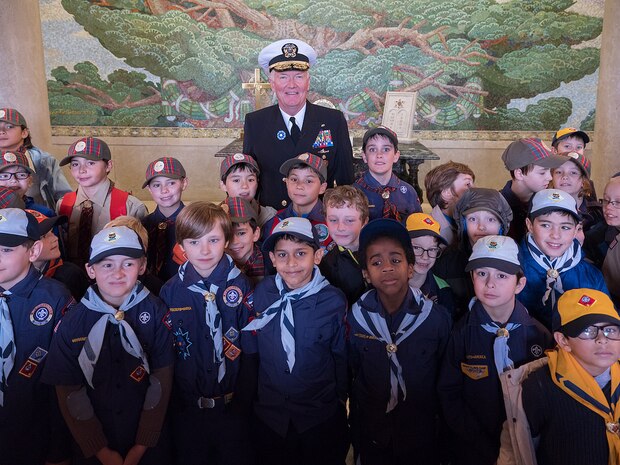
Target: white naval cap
286,55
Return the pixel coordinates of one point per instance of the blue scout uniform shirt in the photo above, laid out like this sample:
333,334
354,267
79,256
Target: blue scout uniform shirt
152,224
36,305
469,388
583,275
411,423
195,373
404,197
120,382
309,394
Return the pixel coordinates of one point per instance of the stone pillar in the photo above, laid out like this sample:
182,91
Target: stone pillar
606,159
22,65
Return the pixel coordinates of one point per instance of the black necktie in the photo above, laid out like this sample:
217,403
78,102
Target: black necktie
295,132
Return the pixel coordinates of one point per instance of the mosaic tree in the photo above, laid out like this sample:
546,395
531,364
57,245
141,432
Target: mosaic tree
466,58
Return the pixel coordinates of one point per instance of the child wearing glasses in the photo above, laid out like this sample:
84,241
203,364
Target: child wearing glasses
427,242
16,174
572,404
601,243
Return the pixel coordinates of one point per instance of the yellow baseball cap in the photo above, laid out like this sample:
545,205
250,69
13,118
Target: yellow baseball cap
579,308
421,224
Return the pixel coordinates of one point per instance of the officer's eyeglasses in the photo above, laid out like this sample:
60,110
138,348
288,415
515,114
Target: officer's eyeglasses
19,176
610,332
612,203
433,252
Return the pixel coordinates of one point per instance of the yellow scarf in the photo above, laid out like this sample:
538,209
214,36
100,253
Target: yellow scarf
573,379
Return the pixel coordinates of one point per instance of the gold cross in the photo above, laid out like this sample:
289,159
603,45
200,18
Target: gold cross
260,90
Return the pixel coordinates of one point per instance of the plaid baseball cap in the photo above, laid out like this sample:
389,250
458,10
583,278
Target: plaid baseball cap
16,158
523,152
117,240
9,199
232,160
165,166
499,252
314,162
90,148
577,309
239,209
300,228
567,132
548,200
421,224
17,226
46,223
581,161
287,55
11,115
383,131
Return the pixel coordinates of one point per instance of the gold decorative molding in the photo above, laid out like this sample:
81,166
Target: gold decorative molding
233,133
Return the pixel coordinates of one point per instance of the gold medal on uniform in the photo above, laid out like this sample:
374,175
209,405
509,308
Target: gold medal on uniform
391,348
162,225
502,332
209,296
553,273
385,195
119,315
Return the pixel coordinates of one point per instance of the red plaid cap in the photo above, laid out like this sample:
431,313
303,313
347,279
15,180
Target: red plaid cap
10,158
239,209
11,115
314,162
9,199
523,152
165,166
232,160
581,161
90,148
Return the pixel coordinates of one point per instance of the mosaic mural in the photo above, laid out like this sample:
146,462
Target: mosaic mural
482,65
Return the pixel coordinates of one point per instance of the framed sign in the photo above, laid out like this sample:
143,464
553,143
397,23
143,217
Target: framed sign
399,112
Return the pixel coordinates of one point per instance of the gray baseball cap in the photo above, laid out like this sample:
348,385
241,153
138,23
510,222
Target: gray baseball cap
500,252
548,200
17,226
117,240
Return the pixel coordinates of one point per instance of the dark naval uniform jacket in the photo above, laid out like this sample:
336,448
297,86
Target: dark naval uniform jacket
324,133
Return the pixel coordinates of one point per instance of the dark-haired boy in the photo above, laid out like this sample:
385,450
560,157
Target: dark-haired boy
495,336
551,256
49,261
302,378
568,140
96,200
30,308
388,196
166,180
239,174
572,405
111,359
305,177
530,163
396,342
245,232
